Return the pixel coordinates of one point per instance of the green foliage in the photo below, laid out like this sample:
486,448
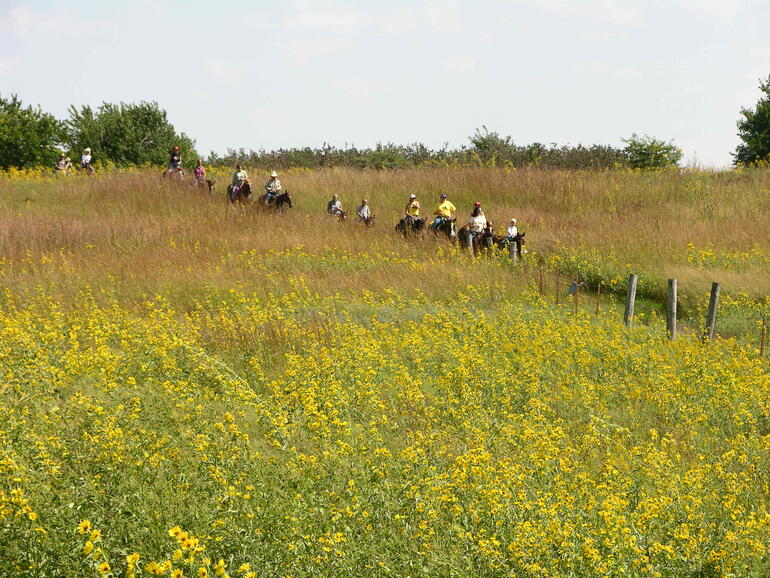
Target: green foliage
127,134
490,146
28,136
650,153
487,149
754,130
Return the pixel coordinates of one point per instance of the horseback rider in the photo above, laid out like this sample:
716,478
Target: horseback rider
512,230
63,165
272,187
239,177
478,221
199,172
85,161
364,212
334,207
412,210
444,211
175,161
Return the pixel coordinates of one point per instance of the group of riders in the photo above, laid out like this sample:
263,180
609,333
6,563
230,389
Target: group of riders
412,221
63,165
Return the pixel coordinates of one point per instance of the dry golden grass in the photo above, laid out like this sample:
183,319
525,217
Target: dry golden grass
145,234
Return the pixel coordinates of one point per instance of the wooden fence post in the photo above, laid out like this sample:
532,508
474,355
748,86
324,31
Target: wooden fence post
598,297
541,279
671,310
711,317
557,289
628,315
577,295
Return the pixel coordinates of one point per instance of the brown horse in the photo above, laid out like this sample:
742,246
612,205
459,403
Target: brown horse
241,194
513,244
411,225
205,184
483,241
275,202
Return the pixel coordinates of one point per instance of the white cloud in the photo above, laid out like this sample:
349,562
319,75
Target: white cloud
24,22
615,12
303,51
714,10
322,16
360,86
8,64
604,35
622,72
442,15
221,69
460,63
398,19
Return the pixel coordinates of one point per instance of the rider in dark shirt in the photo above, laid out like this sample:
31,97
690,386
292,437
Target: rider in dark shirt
175,161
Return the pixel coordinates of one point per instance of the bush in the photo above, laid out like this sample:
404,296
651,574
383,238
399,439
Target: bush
650,153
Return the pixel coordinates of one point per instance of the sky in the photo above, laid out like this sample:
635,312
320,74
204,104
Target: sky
258,74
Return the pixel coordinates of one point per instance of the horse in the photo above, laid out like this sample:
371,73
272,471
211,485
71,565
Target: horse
414,225
241,195
176,173
483,241
340,215
517,241
368,221
276,202
446,226
205,184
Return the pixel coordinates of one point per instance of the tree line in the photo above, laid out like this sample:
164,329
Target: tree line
135,134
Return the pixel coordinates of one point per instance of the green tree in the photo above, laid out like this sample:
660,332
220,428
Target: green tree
754,130
127,134
650,153
28,136
491,147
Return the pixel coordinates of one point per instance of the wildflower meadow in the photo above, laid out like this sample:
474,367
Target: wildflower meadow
191,388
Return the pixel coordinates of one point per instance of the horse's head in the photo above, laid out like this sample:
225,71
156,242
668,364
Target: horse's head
288,198
210,184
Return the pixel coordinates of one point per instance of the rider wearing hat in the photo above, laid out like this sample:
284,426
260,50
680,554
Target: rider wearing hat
85,161
412,209
272,187
513,230
444,210
175,161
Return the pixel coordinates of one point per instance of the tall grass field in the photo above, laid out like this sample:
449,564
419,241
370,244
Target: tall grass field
194,388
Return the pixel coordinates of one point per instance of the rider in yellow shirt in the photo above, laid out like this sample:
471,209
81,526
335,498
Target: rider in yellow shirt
444,210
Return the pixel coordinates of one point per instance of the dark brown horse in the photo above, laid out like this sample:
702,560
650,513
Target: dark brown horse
275,202
513,244
241,194
483,241
445,226
411,225
205,184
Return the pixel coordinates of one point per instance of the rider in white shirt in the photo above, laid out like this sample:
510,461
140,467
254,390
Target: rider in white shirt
85,161
512,229
272,187
334,207
364,212
478,221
